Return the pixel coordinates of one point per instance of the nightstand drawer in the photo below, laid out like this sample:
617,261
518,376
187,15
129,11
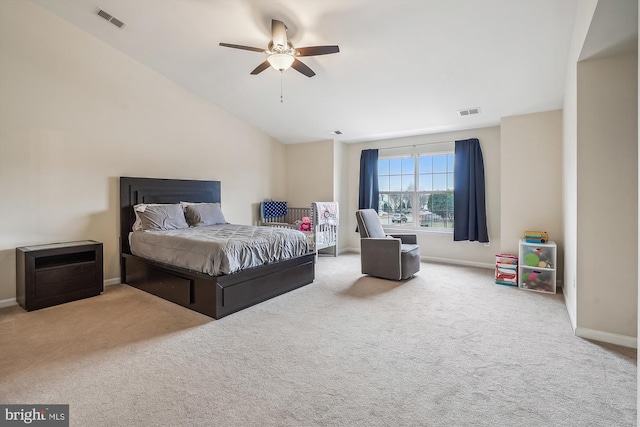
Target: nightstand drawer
65,272
64,287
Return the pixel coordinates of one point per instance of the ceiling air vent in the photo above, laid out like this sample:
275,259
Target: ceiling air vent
115,21
469,111
335,132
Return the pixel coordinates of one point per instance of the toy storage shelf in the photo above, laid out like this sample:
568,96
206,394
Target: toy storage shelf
537,266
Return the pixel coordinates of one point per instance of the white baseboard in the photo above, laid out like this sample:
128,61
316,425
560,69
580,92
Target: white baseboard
608,337
114,281
593,334
459,262
570,313
8,302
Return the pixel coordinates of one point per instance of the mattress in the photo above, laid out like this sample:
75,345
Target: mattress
219,249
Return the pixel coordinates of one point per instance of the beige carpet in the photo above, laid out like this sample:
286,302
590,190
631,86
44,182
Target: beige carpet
446,348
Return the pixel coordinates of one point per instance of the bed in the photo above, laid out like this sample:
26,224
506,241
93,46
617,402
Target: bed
215,295
323,220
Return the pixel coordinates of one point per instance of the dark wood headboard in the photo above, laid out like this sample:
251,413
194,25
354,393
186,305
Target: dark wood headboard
159,190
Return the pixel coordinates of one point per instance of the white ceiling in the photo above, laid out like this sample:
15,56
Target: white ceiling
405,66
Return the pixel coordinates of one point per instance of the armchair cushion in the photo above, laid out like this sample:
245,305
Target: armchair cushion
369,223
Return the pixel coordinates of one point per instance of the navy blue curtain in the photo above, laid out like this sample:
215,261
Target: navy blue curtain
368,196
469,212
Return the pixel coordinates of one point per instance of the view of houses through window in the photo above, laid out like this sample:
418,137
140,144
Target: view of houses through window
416,191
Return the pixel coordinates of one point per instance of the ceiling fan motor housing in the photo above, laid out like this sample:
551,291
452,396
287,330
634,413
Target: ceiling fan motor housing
282,54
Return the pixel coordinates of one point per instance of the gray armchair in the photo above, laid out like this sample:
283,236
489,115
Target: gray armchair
394,257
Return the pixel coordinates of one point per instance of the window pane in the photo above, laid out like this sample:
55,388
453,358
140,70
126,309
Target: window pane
384,209
395,183
408,165
450,181
425,164
395,166
436,210
425,182
400,210
440,163
424,201
408,183
439,182
383,183
383,167
450,162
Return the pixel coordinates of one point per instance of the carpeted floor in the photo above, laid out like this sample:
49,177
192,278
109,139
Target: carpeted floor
446,348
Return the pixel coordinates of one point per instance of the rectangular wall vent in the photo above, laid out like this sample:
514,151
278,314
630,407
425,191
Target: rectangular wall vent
115,21
469,111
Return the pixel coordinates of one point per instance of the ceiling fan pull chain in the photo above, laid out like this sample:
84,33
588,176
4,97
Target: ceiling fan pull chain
281,87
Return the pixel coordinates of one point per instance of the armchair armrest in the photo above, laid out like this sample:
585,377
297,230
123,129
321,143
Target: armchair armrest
407,239
381,257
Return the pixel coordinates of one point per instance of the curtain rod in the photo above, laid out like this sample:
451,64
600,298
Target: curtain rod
416,145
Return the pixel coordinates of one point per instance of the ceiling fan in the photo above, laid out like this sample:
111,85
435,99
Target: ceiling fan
282,54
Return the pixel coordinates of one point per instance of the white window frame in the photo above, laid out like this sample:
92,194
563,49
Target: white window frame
415,195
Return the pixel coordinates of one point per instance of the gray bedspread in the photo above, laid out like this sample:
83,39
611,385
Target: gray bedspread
219,249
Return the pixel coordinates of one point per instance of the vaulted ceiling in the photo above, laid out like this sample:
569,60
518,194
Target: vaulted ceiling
405,67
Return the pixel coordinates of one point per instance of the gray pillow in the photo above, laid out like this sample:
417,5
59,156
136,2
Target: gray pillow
198,214
160,216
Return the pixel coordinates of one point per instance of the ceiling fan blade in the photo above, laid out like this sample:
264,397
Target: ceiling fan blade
260,68
317,50
299,66
278,33
239,46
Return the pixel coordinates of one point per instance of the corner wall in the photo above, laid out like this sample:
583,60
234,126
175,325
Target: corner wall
309,173
584,15
596,111
531,177
607,192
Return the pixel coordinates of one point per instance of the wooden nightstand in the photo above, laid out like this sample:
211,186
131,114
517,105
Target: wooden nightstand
56,273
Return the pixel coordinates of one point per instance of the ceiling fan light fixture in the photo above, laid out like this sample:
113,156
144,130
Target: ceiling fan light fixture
280,61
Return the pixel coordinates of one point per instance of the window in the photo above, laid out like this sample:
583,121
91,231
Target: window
416,191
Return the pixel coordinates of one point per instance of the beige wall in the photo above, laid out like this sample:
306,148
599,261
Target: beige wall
437,245
309,173
602,304
584,15
531,178
76,114
341,189
607,194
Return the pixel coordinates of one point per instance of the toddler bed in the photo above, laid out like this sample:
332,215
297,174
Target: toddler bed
323,216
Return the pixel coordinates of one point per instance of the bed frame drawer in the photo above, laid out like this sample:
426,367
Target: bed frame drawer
264,284
156,280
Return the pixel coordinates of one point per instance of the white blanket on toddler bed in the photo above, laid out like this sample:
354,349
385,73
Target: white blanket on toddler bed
327,213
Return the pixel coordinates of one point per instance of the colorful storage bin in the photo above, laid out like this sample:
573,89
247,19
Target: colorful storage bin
507,269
